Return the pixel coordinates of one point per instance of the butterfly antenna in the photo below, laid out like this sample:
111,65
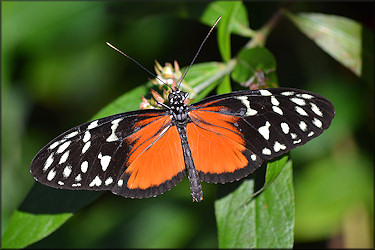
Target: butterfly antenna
140,65
200,47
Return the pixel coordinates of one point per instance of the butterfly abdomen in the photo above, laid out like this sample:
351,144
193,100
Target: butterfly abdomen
195,184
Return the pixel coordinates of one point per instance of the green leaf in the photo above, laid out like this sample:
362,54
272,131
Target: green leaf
240,22
204,77
223,34
266,221
126,102
274,169
253,60
224,86
340,37
42,212
200,73
223,37
25,228
224,30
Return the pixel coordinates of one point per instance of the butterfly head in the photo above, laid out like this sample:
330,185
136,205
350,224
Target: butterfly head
177,98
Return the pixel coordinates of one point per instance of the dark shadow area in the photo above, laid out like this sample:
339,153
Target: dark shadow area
367,55
45,200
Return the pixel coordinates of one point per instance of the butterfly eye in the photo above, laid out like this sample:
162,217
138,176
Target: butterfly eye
171,98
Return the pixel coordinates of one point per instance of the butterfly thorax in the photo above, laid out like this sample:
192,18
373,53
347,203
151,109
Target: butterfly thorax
177,106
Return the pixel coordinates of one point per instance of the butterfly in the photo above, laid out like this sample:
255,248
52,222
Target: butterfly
222,138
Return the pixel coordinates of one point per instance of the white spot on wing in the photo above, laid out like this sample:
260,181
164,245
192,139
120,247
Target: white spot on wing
274,101
48,163
316,109
60,183
64,157
310,134
67,171
305,96
108,181
253,157
278,146
285,127
86,147
246,103
96,182
266,151
297,141
63,147
114,126
277,110
54,145
287,93
76,184
302,125
51,175
264,130
120,183
265,92
104,161
86,137
84,166
72,134
301,111
78,178
92,125
317,122
298,101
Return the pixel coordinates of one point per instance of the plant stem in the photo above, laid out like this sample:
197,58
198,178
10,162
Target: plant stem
261,35
228,67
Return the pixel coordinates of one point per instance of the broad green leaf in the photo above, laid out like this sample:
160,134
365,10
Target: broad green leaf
253,60
340,37
26,228
240,23
264,221
42,212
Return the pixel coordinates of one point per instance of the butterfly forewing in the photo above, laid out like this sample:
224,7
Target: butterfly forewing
96,155
260,124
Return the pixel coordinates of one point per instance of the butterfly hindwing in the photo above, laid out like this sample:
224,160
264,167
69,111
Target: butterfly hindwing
106,153
253,126
218,149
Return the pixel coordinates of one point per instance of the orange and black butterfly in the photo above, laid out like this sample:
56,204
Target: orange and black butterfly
220,139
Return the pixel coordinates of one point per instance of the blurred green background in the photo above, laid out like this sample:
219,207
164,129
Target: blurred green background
57,72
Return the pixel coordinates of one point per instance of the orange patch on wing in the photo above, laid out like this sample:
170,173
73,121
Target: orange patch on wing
156,156
215,149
